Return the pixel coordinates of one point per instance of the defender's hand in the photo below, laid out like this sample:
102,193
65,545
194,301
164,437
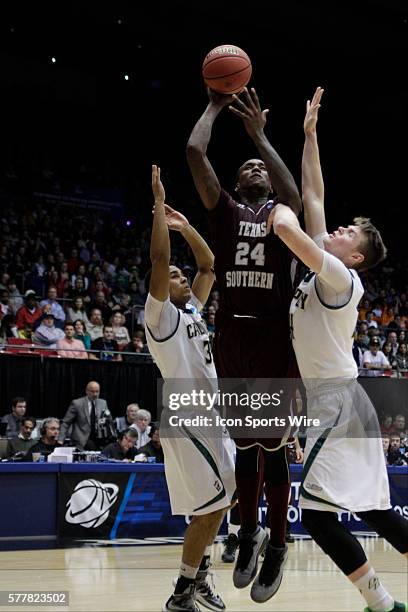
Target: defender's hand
250,112
312,108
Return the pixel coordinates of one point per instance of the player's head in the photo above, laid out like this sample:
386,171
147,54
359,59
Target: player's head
253,179
358,246
179,289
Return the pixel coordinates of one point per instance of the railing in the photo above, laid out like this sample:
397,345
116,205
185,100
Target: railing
45,351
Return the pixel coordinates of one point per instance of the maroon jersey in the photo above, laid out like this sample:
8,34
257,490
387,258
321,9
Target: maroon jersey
253,270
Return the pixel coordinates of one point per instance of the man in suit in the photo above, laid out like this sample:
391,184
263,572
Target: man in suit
92,423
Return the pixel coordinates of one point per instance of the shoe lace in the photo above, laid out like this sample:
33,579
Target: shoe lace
270,566
207,585
246,545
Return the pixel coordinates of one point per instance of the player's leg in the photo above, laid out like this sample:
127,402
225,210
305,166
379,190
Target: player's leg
277,490
347,553
231,542
194,566
252,537
389,525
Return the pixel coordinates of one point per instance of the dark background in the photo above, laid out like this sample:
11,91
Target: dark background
81,110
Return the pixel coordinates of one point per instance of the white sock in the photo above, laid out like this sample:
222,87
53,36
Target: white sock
268,531
187,571
377,598
233,529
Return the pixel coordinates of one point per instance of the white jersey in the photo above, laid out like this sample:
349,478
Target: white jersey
322,332
185,352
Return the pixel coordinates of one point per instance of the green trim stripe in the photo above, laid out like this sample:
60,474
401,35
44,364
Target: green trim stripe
207,456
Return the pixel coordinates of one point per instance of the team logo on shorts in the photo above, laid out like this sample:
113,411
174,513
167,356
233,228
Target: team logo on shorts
90,503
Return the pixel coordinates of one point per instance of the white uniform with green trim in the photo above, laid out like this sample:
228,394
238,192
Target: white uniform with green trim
199,464
344,465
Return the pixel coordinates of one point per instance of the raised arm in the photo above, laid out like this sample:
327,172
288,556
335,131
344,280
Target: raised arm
160,242
203,255
312,179
254,119
204,177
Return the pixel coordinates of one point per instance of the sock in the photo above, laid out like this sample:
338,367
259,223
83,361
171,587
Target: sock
370,587
268,531
233,529
186,577
205,564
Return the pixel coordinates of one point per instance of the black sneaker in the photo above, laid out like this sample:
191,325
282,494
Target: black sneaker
289,539
251,546
206,594
269,578
184,602
231,545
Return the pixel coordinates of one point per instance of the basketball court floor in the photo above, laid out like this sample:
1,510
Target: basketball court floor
102,577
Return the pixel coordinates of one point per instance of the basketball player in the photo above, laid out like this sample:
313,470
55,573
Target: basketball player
199,468
344,465
252,337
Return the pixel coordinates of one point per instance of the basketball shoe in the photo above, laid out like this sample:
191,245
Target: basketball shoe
182,602
231,545
270,576
251,545
398,607
205,592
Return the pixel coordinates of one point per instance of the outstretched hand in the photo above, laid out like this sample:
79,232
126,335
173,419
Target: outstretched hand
157,186
250,112
312,109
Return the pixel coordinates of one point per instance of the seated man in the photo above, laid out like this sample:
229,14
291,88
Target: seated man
70,347
107,346
374,359
47,333
24,441
14,418
154,447
49,439
129,419
124,448
56,309
141,424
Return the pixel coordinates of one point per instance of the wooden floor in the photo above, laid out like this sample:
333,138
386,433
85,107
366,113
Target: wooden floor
130,578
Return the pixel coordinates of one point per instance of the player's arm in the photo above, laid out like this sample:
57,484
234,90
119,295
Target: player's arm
286,226
203,255
254,119
160,242
205,179
312,178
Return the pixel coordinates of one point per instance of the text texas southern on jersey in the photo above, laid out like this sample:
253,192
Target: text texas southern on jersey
254,271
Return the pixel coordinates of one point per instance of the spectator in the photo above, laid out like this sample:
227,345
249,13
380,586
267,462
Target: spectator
396,453
386,424
124,447
370,320
129,419
154,447
136,347
79,290
30,312
51,300
399,424
386,446
401,357
47,334
82,334
15,300
8,328
14,418
387,350
90,419
392,338
69,347
24,441
120,333
95,325
374,359
77,310
141,424
108,347
101,303
363,309
50,429
387,316
81,272
5,308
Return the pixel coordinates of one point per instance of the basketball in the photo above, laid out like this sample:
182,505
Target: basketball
227,69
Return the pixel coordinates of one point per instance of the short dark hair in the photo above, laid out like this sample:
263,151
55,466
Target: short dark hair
128,432
371,245
17,400
107,325
28,418
69,324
